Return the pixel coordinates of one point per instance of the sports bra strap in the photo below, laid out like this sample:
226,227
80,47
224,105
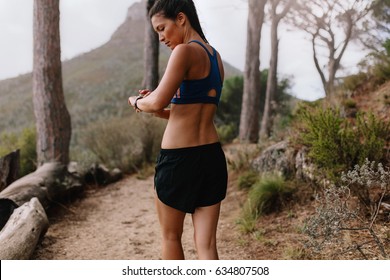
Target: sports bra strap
203,46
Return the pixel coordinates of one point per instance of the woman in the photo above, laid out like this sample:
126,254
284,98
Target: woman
191,173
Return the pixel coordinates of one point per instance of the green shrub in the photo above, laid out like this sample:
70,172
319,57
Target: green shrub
227,133
349,103
336,143
247,180
26,143
268,195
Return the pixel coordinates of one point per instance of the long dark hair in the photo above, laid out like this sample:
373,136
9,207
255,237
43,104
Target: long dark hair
171,8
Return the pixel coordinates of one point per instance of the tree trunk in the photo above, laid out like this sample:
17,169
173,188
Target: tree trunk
250,111
9,169
21,234
272,79
52,117
266,122
151,53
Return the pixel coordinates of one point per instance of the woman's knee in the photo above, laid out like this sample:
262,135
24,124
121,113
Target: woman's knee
172,235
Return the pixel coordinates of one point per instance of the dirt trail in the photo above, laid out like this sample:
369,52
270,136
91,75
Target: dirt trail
120,222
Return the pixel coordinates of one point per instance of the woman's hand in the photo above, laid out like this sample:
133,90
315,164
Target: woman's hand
133,99
144,92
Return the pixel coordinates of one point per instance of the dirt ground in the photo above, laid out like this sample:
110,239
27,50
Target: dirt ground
119,221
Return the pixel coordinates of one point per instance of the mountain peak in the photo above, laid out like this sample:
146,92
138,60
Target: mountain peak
137,11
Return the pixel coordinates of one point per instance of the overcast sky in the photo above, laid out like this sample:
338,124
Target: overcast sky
87,24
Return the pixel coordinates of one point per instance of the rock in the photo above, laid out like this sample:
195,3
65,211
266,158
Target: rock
305,169
278,159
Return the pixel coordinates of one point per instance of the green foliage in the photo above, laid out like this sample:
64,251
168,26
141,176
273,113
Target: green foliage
247,179
229,109
227,133
321,132
336,143
268,195
26,143
349,103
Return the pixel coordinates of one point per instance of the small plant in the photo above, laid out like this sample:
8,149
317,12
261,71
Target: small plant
247,179
267,195
240,158
349,103
336,144
26,143
340,224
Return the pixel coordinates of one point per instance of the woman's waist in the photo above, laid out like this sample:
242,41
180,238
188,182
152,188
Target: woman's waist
183,138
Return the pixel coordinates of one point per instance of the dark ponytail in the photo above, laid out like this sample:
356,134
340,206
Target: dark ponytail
171,8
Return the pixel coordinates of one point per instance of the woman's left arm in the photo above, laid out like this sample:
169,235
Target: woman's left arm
160,98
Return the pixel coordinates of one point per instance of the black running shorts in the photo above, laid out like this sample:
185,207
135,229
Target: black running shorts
188,178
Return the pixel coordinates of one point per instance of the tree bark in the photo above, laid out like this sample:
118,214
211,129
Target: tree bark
52,117
151,53
250,111
21,234
272,79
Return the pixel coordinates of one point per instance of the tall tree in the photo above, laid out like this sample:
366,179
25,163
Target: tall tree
151,52
52,117
272,82
378,25
250,110
332,25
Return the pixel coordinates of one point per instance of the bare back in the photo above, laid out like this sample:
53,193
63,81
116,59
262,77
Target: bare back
193,124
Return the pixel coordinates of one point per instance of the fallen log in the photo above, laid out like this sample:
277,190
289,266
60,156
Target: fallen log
50,182
20,235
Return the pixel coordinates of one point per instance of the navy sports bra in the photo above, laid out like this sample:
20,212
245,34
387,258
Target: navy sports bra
197,91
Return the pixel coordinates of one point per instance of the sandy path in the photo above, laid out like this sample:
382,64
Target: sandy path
120,222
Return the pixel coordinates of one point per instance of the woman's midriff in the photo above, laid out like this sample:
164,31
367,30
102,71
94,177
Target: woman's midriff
190,125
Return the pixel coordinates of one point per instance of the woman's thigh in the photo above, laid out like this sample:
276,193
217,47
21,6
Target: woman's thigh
171,220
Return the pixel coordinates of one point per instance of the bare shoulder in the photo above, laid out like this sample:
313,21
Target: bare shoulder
181,50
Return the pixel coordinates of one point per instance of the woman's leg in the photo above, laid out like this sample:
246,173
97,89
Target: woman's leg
171,222
205,220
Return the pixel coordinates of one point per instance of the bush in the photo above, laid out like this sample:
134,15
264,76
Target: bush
338,144
341,226
247,180
123,143
227,133
26,143
268,195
